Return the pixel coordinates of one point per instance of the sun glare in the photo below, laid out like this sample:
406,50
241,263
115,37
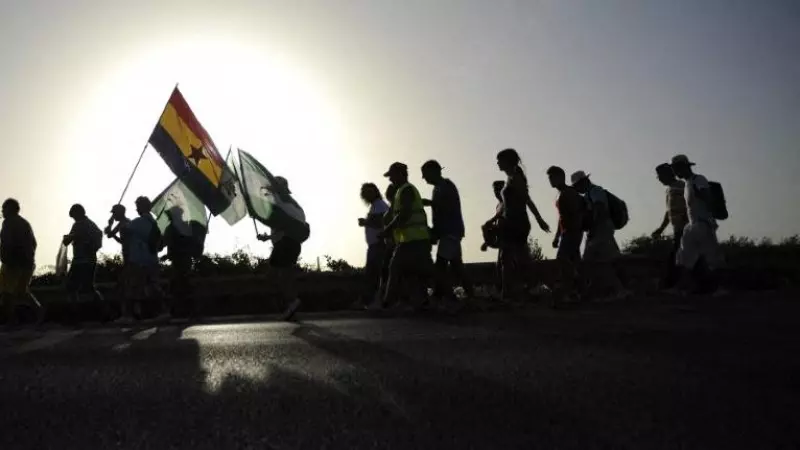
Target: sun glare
247,97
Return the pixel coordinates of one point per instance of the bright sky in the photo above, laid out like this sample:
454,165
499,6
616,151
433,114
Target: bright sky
329,93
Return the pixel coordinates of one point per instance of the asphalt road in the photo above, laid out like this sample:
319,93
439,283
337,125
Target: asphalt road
710,376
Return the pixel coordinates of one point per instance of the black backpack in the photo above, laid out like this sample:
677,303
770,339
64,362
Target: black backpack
617,210
718,206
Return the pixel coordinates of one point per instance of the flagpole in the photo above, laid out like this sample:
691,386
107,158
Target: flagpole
230,150
141,155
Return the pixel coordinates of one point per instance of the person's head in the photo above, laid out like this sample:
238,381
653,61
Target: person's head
557,177
10,208
77,212
283,183
370,193
665,174
143,206
497,187
175,214
432,172
508,160
682,166
580,181
397,173
391,190
118,212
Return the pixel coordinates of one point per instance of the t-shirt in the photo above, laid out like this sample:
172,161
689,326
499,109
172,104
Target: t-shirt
138,235
570,209
17,243
515,202
695,206
85,238
446,210
377,208
676,205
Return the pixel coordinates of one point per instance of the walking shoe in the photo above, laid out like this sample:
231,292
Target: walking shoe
376,305
291,309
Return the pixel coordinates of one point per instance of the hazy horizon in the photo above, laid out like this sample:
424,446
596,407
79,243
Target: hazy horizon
328,94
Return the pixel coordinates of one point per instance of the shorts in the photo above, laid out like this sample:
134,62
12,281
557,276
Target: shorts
449,249
569,247
285,253
601,246
15,280
80,277
699,240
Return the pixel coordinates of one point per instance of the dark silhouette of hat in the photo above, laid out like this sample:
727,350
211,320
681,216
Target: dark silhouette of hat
396,167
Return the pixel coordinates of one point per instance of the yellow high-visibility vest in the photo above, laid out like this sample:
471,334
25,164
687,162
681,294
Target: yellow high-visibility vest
416,228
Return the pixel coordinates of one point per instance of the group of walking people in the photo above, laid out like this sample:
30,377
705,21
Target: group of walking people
399,268
139,279
400,240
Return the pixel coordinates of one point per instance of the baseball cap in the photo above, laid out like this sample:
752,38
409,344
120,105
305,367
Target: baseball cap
578,176
396,167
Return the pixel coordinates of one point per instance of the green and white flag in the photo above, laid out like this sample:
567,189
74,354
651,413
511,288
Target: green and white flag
237,210
178,203
269,201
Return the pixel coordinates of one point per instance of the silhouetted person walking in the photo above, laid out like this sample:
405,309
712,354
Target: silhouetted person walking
86,240
601,249
515,226
491,235
376,246
675,215
411,260
182,247
283,259
569,235
699,255
447,231
124,279
144,240
17,255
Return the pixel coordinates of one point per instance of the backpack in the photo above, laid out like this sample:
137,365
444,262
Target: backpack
718,206
97,238
491,235
617,210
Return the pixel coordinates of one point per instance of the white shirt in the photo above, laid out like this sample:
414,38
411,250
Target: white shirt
597,195
696,207
378,207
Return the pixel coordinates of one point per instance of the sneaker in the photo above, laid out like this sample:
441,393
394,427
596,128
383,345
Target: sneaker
163,317
291,309
376,305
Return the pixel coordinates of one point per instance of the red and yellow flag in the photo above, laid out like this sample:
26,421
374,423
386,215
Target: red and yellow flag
190,153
